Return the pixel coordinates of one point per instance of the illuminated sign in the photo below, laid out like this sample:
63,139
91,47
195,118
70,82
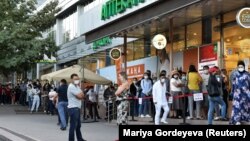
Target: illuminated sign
102,42
159,41
114,7
115,53
243,17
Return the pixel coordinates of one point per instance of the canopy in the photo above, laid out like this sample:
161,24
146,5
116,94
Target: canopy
89,76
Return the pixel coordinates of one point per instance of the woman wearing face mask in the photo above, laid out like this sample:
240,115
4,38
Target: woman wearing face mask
175,87
240,94
122,93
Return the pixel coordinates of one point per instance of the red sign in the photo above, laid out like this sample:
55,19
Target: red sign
208,53
135,71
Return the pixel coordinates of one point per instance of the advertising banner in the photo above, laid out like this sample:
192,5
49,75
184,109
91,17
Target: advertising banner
208,56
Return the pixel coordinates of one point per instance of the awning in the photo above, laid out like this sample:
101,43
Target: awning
89,76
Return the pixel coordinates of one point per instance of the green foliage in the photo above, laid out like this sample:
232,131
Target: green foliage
21,28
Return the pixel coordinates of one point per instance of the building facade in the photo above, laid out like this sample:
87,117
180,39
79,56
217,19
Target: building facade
199,32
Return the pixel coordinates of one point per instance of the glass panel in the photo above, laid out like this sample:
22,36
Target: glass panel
215,30
138,49
194,35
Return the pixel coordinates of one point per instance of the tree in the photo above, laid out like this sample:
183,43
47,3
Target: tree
21,28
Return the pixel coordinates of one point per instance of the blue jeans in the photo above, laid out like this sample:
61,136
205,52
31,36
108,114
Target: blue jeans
30,102
212,102
62,110
75,124
143,108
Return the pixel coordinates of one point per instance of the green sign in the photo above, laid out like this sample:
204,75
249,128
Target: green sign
114,7
102,42
46,61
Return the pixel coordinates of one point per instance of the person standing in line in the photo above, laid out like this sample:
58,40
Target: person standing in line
30,93
205,77
122,94
36,99
215,96
52,98
160,99
23,88
134,93
175,86
194,80
93,103
2,96
108,95
62,104
75,97
240,94
46,90
146,85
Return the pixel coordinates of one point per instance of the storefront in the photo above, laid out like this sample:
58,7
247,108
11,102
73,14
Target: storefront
198,32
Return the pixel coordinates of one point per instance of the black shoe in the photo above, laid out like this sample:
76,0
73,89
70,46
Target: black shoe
63,128
224,119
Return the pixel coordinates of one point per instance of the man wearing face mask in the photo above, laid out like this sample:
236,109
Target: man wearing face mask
240,95
215,95
160,99
146,85
75,97
205,77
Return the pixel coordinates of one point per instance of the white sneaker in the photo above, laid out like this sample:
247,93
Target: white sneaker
148,116
189,117
164,121
142,116
238,123
217,118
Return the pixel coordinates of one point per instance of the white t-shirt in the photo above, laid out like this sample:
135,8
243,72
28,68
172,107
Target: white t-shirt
73,102
92,95
173,87
52,95
205,78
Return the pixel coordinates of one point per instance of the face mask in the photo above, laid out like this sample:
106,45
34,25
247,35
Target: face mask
76,82
146,77
134,82
206,71
183,78
163,80
175,76
241,69
154,81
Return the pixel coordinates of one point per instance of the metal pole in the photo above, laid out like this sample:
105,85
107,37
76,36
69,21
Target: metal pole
125,52
171,35
221,51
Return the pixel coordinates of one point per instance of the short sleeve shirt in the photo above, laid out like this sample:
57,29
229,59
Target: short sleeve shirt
73,102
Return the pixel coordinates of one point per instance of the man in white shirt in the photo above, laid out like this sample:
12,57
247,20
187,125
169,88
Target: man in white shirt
75,97
160,99
205,77
93,99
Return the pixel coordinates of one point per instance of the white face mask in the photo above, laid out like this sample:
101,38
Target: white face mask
76,82
183,77
163,80
134,82
241,69
206,71
146,77
176,76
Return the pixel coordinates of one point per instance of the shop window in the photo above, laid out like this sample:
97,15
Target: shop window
179,39
215,30
138,49
236,46
130,52
194,35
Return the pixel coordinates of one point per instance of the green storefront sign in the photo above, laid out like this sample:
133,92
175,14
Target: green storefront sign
114,7
102,42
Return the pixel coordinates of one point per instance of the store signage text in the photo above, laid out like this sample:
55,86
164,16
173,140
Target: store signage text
136,71
102,42
243,17
114,7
